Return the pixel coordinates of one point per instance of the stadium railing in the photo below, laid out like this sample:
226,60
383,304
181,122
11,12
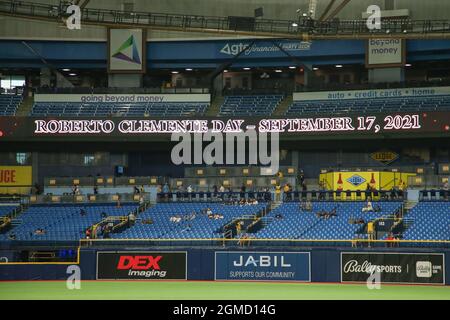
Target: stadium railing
255,242
302,25
314,195
88,90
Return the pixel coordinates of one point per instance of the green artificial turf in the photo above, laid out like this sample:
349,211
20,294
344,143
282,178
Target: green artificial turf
154,290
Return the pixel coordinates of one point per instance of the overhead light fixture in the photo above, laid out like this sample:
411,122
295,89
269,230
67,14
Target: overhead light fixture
188,69
246,68
65,70
175,72
408,65
294,24
304,14
72,74
292,67
315,68
278,70
225,71
339,66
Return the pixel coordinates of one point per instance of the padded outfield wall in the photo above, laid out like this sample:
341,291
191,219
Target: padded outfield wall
412,266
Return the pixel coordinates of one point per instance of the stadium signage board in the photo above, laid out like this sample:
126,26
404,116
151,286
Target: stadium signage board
382,53
127,50
141,265
122,98
15,176
406,125
418,268
262,266
384,157
371,94
293,125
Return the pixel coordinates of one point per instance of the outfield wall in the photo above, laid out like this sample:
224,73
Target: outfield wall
413,266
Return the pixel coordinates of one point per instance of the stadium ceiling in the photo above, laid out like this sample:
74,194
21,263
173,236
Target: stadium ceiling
304,28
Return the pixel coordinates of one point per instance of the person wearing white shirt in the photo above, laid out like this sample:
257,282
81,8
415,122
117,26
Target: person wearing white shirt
368,206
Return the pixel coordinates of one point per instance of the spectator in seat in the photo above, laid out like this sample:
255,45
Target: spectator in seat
243,190
390,238
308,205
368,207
88,233
136,190
302,205
75,190
445,188
131,219
393,193
95,189
332,213
277,192
148,221
286,191
82,212
301,178
371,230
401,189
165,189
239,227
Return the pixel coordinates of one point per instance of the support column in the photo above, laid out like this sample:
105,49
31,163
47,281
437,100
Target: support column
46,76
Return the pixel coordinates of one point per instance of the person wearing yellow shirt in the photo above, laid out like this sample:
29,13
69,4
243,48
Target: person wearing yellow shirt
371,230
277,192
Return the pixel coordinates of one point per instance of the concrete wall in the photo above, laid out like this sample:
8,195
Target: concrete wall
273,9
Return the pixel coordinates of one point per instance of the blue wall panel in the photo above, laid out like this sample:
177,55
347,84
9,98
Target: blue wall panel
325,264
208,54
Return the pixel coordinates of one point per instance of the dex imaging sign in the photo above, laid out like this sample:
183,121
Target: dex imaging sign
142,265
263,266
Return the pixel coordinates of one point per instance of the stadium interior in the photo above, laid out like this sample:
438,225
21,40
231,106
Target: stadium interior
91,117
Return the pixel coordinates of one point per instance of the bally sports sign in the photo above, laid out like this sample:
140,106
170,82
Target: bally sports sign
419,268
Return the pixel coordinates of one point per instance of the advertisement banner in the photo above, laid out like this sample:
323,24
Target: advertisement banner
371,94
15,176
126,50
122,98
418,268
160,129
263,266
142,265
382,53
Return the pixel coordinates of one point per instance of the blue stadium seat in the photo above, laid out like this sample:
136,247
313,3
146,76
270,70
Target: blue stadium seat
9,104
406,104
254,105
162,109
